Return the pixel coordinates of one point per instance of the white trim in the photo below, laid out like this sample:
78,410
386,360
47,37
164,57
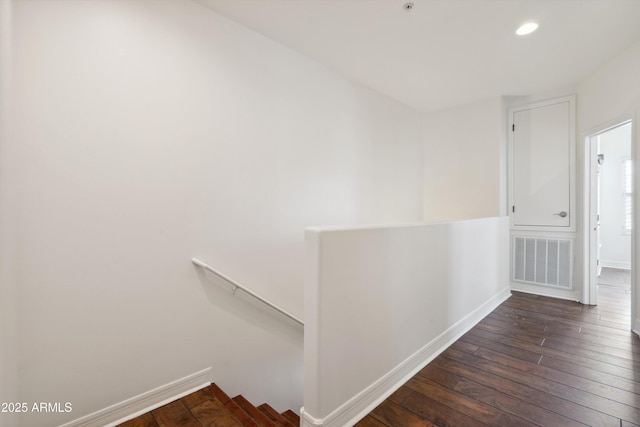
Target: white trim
590,272
545,291
590,269
364,402
635,139
622,265
145,402
636,327
307,420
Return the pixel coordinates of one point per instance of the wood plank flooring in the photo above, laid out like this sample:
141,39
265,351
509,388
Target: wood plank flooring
534,361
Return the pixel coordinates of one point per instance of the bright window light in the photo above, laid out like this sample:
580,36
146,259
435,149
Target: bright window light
628,194
527,28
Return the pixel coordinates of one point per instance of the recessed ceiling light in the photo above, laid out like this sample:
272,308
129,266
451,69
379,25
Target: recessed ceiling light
527,28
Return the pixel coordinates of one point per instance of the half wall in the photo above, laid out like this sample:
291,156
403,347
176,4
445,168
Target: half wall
381,302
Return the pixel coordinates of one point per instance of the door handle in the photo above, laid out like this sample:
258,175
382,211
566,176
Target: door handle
561,214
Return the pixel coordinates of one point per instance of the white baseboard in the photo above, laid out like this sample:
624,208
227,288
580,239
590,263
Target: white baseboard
145,402
545,291
635,328
616,264
364,402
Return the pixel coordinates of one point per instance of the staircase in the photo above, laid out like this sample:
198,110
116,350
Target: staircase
212,407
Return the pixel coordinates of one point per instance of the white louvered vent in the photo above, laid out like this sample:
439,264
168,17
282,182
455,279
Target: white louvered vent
543,261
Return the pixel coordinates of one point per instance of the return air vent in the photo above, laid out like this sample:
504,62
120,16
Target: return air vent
543,261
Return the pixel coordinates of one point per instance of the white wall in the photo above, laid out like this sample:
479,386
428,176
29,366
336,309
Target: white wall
464,162
608,96
611,91
381,302
616,242
8,323
152,131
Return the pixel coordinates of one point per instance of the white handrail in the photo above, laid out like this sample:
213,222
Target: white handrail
237,285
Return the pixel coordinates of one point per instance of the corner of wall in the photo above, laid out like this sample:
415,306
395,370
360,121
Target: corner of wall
307,420
8,299
311,383
636,327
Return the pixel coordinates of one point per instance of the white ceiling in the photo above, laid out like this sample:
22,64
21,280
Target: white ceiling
447,52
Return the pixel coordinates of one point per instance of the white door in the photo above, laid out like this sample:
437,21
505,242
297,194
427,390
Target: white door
542,162
597,225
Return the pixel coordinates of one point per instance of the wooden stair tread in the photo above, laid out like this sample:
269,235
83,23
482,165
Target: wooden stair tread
144,420
233,407
219,393
275,415
175,414
213,413
246,419
257,415
292,417
196,398
212,407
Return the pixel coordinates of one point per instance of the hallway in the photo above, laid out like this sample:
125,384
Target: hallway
533,361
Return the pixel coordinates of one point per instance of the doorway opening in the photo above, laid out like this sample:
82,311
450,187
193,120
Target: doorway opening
609,217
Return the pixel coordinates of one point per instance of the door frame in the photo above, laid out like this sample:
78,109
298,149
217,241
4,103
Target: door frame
590,288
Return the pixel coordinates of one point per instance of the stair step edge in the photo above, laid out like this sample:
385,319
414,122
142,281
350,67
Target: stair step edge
292,416
275,415
219,393
244,417
256,413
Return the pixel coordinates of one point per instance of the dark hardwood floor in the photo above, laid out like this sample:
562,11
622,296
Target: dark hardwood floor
534,361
